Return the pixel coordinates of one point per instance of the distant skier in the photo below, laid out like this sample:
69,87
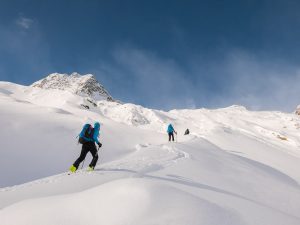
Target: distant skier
88,137
171,132
187,131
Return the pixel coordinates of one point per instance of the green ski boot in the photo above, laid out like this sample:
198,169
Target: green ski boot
90,169
73,169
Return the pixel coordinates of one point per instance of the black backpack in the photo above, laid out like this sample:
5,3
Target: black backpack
87,132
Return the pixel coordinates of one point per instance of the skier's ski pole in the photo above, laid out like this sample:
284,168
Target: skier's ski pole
76,138
97,152
98,149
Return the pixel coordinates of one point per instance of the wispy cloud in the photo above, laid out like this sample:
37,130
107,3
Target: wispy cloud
255,81
24,23
238,77
24,55
159,82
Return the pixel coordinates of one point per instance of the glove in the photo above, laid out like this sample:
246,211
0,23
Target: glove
99,144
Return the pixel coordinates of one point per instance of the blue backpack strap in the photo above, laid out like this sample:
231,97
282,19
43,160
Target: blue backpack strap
90,132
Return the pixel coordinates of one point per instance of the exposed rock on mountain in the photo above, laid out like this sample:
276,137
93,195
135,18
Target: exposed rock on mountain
298,110
84,85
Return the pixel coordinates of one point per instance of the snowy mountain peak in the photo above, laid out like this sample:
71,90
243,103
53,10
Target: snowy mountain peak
84,85
239,108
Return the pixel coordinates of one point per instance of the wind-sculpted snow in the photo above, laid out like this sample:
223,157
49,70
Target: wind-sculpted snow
205,185
125,201
236,167
135,115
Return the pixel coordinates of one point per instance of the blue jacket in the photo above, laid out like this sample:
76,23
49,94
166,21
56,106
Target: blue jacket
170,128
95,135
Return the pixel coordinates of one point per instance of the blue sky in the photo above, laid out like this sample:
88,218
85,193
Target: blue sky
161,54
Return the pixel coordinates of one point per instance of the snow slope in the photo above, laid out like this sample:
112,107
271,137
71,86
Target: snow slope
237,167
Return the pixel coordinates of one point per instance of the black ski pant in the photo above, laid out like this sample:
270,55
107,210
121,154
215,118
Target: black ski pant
87,147
171,134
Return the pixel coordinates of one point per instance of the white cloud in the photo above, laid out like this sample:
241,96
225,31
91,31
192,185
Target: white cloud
158,81
24,22
23,52
236,77
262,83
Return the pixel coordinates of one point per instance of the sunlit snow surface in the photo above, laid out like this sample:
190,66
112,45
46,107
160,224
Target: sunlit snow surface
236,167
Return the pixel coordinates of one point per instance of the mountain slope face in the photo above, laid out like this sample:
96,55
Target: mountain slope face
85,85
236,167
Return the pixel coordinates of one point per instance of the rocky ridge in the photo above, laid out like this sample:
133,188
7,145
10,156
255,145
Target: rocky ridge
83,85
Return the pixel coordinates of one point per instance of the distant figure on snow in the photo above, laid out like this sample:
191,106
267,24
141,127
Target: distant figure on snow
187,132
171,132
88,137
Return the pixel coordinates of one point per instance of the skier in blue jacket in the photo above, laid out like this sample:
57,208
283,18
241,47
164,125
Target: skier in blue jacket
171,132
88,137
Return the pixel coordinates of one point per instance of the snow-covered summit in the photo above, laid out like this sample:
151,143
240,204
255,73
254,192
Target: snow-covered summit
84,85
